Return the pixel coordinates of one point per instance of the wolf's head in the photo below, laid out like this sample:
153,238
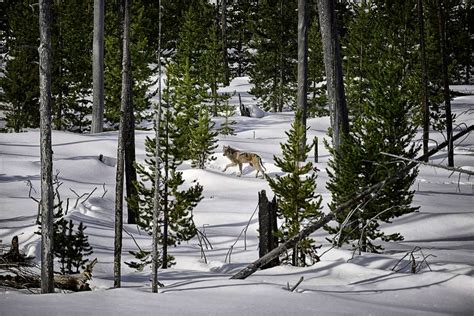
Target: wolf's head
226,151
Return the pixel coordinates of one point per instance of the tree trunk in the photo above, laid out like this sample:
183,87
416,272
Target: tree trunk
303,65
359,199
447,97
424,79
47,197
98,68
130,171
333,66
267,223
125,103
225,56
156,193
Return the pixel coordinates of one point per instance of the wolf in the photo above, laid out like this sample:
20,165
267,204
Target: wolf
239,157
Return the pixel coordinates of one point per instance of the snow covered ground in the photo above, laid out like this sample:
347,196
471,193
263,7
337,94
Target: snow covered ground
340,284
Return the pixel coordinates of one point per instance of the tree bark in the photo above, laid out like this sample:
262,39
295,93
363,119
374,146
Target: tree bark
130,171
333,66
47,197
361,198
156,193
125,103
424,79
267,222
303,65
98,68
446,94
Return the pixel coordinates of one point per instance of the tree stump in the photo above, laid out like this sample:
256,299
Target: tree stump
267,219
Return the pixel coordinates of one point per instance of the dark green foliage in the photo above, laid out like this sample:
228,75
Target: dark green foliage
383,93
241,17
69,247
71,69
273,57
141,58
203,140
227,112
177,202
298,203
19,93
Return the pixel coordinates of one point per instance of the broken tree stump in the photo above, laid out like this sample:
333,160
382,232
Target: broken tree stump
267,220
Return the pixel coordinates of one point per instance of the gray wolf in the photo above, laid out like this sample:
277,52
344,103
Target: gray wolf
240,157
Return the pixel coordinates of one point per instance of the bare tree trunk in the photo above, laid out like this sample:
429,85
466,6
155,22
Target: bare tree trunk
447,97
156,193
47,277
333,66
424,79
125,103
303,64
98,68
225,58
130,171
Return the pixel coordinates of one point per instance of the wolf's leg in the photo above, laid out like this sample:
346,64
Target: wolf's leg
240,168
229,165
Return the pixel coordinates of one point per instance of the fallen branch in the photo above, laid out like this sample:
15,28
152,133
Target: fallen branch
453,169
362,197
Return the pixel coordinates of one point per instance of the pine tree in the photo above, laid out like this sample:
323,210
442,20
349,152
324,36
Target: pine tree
211,62
273,56
176,222
385,99
226,127
141,58
298,203
20,80
81,248
71,83
203,140
186,94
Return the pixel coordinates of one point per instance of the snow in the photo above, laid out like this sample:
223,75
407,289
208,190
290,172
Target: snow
342,283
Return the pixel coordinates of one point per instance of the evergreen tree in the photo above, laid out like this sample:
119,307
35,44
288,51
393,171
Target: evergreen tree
81,248
186,94
71,84
19,93
176,222
273,55
226,127
203,140
212,67
298,203
141,58
385,103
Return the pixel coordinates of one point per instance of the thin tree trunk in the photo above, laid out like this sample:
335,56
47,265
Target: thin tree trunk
165,201
303,65
424,79
125,103
447,97
98,68
333,66
156,193
47,277
225,56
130,171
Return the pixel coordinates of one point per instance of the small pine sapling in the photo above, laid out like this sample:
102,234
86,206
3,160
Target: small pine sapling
226,127
203,140
298,203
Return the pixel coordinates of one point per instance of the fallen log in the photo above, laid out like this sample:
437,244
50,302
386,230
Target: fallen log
361,198
21,278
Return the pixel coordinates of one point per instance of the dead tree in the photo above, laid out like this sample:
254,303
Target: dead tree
359,199
303,64
98,68
267,220
47,196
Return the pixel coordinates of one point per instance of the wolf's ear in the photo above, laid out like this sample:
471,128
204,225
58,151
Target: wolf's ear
224,147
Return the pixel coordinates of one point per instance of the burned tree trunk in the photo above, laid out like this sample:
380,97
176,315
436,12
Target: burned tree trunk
267,220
